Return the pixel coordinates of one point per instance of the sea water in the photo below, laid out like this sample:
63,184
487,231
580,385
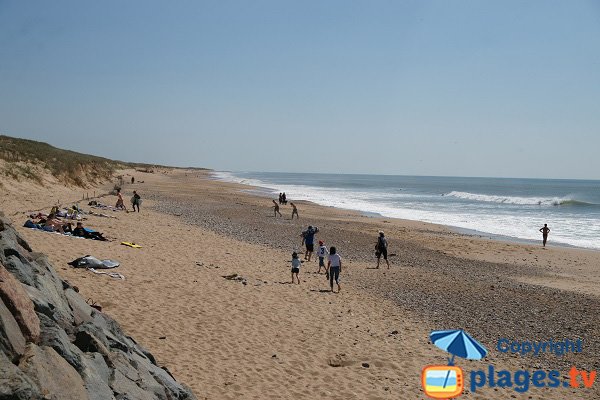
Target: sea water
514,208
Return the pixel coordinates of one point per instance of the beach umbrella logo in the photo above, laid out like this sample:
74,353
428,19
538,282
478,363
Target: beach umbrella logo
447,381
458,343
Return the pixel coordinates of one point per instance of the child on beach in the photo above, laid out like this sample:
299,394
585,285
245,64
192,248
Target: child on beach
276,209
334,267
322,253
296,263
294,210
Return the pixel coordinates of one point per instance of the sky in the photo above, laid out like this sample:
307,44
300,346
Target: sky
460,88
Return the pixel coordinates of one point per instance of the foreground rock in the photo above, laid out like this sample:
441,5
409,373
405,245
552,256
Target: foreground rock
53,345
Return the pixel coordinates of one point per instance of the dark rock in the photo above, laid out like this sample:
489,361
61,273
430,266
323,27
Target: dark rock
146,380
365,365
96,376
14,384
21,269
40,305
54,336
17,301
52,374
104,322
23,243
12,342
147,354
175,389
126,388
51,286
87,341
82,312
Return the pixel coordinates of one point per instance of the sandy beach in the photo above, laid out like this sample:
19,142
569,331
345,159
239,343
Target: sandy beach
262,337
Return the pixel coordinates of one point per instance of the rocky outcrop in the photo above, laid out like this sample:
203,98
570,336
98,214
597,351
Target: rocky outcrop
53,345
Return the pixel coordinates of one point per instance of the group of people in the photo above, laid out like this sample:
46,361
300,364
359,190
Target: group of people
334,260
136,200
53,223
276,211
282,198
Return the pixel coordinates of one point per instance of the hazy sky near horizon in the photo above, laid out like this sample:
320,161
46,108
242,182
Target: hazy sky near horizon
465,88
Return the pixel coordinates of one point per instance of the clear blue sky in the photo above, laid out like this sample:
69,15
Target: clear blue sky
468,88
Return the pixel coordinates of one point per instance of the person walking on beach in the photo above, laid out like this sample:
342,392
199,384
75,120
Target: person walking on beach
283,198
308,239
276,209
294,210
322,253
381,249
334,267
545,230
136,200
296,264
280,198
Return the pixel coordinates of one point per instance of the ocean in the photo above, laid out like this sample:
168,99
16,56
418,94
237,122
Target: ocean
503,207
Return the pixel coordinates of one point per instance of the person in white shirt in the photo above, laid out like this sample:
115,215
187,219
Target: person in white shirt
296,263
322,253
334,267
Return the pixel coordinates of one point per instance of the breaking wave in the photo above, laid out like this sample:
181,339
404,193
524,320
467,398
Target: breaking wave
523,201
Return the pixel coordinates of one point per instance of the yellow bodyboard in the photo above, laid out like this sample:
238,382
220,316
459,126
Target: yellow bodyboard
135,246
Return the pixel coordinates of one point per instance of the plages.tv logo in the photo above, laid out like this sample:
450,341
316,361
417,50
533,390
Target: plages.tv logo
447,381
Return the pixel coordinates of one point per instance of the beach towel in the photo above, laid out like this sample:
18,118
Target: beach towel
115,275
91,262
29,224
129,244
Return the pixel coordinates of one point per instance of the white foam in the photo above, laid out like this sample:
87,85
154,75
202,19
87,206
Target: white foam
554,201
571,230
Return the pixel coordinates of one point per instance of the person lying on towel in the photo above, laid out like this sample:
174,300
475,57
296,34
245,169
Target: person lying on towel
87,233
53,224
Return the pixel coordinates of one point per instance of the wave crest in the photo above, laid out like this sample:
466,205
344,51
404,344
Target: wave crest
533,201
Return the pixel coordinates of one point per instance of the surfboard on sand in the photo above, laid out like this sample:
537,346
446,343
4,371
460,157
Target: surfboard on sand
129,244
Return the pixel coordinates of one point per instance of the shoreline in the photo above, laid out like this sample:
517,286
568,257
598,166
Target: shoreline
230,340
267,193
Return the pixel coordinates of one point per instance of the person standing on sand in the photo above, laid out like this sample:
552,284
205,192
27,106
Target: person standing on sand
322,253
381,249
545,230
334,267
294,210
136,200
308,239
276,209
296,264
